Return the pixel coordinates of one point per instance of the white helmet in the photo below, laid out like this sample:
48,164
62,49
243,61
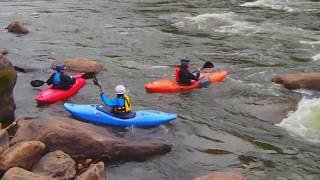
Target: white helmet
120,89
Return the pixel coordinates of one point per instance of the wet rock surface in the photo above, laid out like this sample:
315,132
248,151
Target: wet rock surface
17,27
83,140
310,80
80,64
24,155
56,164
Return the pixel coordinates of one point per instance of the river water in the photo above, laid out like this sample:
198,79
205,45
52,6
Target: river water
139,40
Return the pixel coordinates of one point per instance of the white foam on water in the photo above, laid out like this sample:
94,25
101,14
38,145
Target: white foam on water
310,42
159,67
273,4
305,121
316,57
225,22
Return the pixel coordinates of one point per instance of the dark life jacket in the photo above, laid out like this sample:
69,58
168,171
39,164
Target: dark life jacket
184,76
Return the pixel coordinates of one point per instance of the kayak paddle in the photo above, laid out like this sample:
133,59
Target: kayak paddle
206,65
38,83
95,82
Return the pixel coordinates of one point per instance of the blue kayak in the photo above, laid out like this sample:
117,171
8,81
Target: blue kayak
102,114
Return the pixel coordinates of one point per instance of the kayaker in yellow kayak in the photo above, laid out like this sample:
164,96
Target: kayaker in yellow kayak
121,104
60,80
183,74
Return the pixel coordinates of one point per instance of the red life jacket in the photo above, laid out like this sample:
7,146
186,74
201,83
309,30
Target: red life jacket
178,72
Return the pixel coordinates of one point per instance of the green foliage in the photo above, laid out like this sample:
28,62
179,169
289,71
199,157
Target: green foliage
6,80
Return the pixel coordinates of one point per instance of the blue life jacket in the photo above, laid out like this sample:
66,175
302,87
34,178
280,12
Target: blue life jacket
57,79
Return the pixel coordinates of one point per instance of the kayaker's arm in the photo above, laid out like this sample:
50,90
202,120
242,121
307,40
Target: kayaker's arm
50,80
189,75
106,101
67,79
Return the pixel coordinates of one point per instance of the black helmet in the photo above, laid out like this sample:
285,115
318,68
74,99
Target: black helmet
185,59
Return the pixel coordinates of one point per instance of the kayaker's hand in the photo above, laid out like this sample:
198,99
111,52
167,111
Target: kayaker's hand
199,69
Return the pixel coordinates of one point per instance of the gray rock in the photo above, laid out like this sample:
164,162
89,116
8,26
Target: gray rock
17,173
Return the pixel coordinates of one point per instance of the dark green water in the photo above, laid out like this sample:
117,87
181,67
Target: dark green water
138,41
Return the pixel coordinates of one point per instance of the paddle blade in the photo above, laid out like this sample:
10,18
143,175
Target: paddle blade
37,83
207,65
88,75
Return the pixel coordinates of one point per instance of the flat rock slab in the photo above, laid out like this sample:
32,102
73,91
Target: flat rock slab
272,112
17,173
80,64
56,164
309,80
83,140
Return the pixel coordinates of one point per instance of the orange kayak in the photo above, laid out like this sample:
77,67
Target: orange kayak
169,85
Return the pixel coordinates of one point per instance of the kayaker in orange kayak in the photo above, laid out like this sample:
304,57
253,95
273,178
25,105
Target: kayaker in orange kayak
60,80
183,74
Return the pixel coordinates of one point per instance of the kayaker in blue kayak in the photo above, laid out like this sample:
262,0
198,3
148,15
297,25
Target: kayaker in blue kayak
60,80
183,74
121,104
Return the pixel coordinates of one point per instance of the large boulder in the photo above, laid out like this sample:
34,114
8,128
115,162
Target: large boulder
4,140
8,78
270,111
56,164
17,173
80,64
17,27
309,81
83,140
23,155
95,172
222,176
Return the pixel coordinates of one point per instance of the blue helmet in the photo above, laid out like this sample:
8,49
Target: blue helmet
60,68
184,59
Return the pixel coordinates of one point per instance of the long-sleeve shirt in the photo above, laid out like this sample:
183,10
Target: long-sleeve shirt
116,102
185,76
65,81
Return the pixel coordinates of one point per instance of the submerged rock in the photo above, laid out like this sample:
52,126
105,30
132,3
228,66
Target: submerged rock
17,27
309,81
222,176
56,164
17,173
95,172
80,64
8,78
272,112
24,155
82,140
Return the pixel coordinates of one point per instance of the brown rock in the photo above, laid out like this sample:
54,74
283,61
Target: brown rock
273,112
17,27
8,78
56,164
23,155
309,81
95,172
17,173
83,140
222,176
4,140
80,64
3,51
